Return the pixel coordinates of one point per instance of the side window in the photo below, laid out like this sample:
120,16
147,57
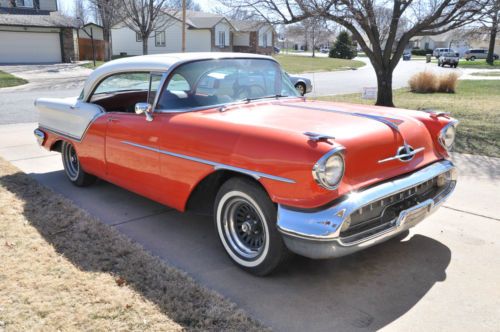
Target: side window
121,92
123,82
178,83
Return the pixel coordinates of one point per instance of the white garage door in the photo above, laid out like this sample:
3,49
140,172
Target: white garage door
29,47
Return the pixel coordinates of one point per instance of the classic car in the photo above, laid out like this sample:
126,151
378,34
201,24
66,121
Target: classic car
227,134
303,85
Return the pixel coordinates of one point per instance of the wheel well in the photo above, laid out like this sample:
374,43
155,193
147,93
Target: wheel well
57,146
202,198
300,83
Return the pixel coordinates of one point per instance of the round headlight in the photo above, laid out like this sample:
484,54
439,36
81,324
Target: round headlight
447,135
329,170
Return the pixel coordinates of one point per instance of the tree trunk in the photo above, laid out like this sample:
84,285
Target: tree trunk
144,45
384,91
493,36
106,36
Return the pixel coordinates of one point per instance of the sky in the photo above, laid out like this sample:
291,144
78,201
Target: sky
68,6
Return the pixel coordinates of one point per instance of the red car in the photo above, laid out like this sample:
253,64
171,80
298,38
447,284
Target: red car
227,133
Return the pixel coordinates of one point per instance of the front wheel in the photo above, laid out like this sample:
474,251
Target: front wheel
245,219
301,88
72,167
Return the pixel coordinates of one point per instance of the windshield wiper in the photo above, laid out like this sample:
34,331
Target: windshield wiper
264,97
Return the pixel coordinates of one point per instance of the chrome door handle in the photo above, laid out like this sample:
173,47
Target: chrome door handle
112,120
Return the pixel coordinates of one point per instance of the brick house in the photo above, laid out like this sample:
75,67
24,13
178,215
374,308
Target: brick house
32,31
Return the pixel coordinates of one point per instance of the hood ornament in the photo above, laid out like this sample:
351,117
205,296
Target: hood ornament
405,153
315,137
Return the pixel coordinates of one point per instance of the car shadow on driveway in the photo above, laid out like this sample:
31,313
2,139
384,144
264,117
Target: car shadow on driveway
367,290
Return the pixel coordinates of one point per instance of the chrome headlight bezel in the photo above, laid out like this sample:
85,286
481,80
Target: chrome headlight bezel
319,168
452,125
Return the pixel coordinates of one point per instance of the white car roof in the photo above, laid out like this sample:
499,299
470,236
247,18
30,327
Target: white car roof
159,63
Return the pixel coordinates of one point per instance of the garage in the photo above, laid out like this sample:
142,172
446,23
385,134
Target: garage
29,47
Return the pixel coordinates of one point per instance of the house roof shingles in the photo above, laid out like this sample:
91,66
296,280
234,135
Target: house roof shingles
53,20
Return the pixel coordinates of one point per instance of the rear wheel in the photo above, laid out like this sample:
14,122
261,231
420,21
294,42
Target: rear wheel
72,167
472,58
245,219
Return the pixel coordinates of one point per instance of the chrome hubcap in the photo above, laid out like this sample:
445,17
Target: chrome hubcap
243,228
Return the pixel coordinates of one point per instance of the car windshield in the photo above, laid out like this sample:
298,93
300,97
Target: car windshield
450,54
221,81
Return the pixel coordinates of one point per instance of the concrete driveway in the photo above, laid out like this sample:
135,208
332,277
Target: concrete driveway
443,276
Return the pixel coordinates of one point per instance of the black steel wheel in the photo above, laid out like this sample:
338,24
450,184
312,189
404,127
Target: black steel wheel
245,220
72,166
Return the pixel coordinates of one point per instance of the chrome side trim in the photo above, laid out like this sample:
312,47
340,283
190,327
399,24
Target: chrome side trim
216,165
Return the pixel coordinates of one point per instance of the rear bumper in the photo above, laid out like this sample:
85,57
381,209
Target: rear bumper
324,233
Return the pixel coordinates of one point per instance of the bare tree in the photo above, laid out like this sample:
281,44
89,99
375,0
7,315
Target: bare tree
492,25
80,11
190,5
382,28
107,14
316,31
147,16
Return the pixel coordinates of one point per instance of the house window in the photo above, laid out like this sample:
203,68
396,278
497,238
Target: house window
160,39
138,37
222,38
24,3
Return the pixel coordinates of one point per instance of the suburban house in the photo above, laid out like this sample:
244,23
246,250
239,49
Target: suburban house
32,31
205,32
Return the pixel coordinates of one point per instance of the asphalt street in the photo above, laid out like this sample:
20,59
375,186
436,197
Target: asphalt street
443,276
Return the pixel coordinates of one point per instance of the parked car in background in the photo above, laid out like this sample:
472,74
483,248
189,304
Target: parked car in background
407,56
439,51
227,134
451,59
478,53
302,84
276,50
324,50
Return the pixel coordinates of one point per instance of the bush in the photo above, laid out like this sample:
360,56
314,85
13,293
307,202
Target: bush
418,51
423,82
343,48
428,82
448,83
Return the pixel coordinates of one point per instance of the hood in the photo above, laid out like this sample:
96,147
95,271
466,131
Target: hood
370,134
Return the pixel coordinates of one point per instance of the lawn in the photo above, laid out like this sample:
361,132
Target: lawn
91,64
486,73
296,64
8,80
478,64
475,104
63,270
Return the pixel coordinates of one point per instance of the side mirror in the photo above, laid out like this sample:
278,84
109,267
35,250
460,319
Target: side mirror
144,108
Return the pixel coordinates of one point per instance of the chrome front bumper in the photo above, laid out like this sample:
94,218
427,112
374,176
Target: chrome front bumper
318,233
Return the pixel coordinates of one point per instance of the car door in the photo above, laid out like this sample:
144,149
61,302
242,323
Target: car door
132,160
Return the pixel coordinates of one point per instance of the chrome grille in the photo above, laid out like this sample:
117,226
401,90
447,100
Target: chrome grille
383,213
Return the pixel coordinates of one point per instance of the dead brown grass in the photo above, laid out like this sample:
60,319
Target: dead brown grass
447,83
428,82
62,270
423,82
